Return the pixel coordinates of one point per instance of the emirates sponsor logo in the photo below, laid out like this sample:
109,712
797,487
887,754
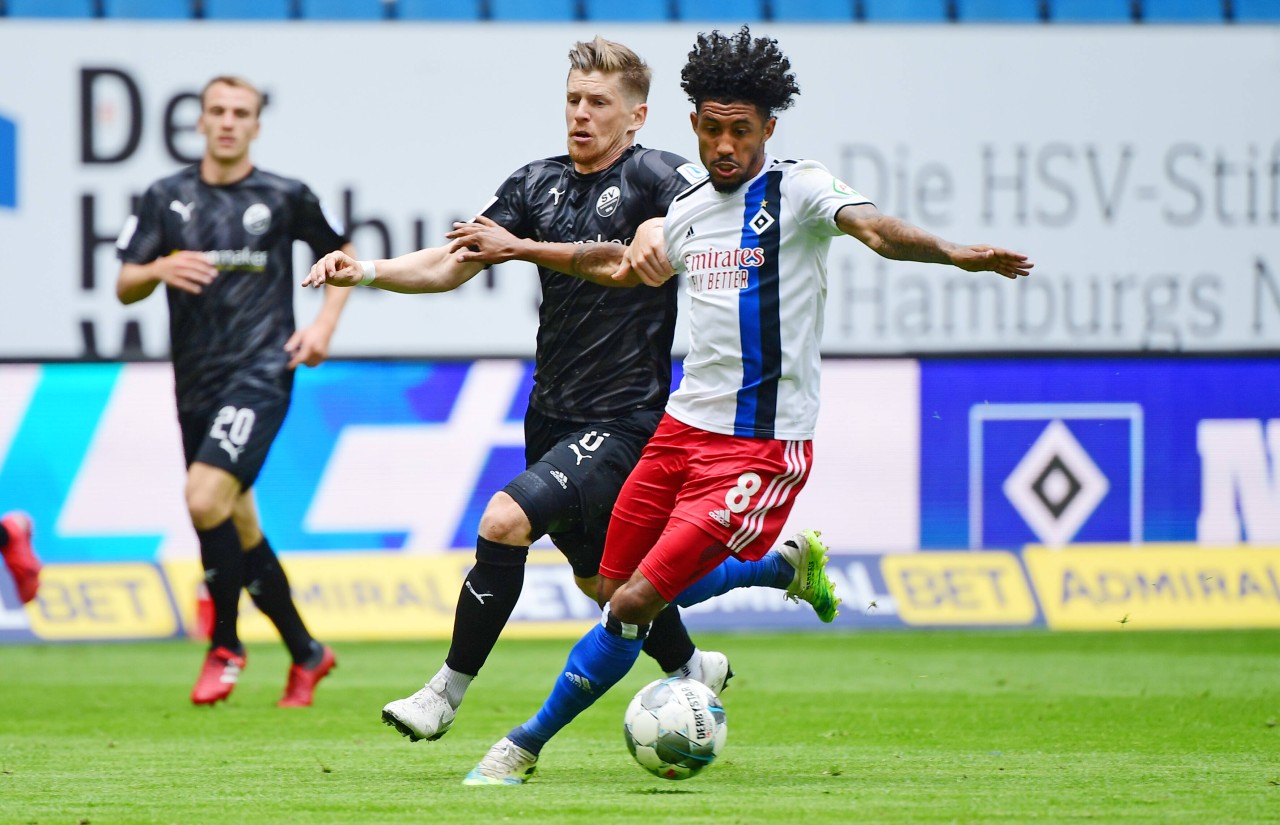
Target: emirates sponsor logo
716,260
722,268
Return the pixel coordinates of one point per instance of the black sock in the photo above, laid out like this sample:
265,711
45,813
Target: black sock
668,641
269,588
488,596
223,562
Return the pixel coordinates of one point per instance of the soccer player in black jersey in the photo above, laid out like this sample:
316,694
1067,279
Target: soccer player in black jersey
219,235
602,370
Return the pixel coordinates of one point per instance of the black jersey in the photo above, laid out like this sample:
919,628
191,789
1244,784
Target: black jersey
235,330
602,351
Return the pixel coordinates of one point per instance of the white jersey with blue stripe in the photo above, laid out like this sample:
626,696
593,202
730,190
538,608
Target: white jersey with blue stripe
755,267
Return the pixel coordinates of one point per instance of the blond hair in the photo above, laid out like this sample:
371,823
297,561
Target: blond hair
236,83
607,57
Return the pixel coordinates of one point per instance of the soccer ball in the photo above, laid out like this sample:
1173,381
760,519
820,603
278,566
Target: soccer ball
675,727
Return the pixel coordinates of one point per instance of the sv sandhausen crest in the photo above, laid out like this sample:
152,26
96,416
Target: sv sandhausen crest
257,219
608,201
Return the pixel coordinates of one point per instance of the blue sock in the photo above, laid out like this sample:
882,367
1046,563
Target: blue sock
771,571
595,664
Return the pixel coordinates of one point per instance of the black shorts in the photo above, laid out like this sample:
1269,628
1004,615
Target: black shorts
575,472
235,434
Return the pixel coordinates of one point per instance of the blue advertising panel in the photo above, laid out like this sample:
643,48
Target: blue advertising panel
8,163
93,454
395,398
1059,451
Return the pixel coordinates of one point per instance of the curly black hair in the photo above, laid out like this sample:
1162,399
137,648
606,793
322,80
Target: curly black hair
739,69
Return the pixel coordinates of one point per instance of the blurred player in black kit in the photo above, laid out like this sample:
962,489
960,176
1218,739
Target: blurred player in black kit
219,235
602,370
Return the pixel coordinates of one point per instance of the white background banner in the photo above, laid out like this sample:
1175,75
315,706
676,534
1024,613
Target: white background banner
1138,166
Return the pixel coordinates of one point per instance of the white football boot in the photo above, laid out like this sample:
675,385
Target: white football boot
710,667
506,763
716,672
424,715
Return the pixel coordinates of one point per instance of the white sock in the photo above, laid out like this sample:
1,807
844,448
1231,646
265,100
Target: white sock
451,684
691,669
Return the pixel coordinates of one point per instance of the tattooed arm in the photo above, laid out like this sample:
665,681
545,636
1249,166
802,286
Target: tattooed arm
898,240
484,242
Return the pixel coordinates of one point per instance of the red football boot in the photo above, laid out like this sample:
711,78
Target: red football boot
218,676
301,687
19,556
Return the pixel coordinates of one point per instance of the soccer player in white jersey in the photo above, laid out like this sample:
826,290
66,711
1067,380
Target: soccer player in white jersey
720,475
589,415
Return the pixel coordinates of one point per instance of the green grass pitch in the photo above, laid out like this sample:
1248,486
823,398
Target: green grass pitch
829,727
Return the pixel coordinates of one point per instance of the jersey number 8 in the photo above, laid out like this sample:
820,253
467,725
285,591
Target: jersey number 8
739,498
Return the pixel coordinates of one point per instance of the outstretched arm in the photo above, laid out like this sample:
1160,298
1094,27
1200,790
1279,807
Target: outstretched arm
427,270
485,242
898,240
310,344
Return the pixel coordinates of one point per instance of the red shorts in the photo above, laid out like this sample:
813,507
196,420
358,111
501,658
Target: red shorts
695,498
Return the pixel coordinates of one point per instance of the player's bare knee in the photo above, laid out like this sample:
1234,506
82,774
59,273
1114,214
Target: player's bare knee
504,522
212,495
206,508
